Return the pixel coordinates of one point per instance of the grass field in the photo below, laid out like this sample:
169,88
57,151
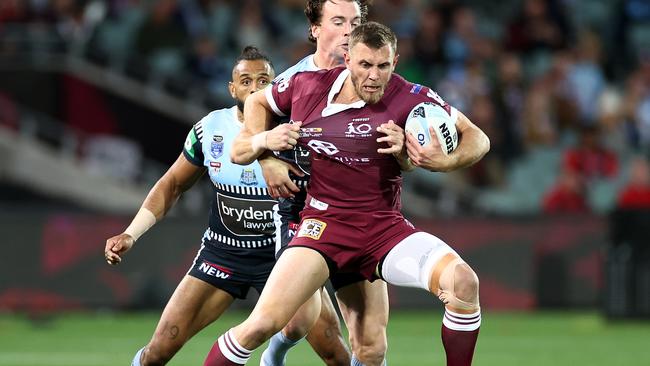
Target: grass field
571,339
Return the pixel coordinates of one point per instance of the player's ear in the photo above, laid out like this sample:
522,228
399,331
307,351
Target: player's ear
395,61
315,30
231,89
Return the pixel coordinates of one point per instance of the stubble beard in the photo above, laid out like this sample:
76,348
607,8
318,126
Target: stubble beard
369,98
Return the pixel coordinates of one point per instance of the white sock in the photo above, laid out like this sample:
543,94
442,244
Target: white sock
462,322
276,353
136,358
356,362
232,350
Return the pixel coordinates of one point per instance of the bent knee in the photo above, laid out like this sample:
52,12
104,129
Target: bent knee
466,284
262,327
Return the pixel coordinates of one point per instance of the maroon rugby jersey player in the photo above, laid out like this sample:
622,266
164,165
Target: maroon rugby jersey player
348,172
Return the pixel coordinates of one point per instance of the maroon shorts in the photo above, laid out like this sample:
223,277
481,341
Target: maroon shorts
351,242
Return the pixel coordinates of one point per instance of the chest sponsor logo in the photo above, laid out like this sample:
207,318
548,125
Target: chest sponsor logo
216,146
323,147
311,132
248,177
215,166
215,270
356,129
312,228
246,217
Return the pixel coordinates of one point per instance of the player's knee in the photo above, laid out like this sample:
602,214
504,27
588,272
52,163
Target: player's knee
466,284
459,287
262,327
295,330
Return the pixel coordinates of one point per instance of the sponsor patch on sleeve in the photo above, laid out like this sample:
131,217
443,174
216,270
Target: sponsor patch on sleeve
311,228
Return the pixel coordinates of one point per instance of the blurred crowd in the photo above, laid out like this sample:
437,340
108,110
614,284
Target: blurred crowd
572,76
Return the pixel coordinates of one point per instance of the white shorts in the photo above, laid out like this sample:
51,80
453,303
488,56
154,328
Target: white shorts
412,260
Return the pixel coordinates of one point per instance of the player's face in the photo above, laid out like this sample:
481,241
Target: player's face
249,76
337,21
370,70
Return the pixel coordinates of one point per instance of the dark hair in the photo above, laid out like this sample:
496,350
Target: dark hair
252,53
314,13
374,35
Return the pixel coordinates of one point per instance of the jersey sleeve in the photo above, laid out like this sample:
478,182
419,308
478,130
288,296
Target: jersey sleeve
193,148
419,94
280,95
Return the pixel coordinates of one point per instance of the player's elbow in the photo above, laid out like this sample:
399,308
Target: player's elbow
238,158
486,143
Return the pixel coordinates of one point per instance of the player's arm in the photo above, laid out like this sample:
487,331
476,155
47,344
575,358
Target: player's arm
255,138
473,145
161,198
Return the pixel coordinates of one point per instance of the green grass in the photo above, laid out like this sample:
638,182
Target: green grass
571,339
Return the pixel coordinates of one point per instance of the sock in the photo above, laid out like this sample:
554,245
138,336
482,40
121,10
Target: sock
276,353
226,351
459,334
136,358
356,362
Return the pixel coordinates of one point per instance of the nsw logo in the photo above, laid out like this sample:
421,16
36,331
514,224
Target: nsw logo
215,270
216,146
312,228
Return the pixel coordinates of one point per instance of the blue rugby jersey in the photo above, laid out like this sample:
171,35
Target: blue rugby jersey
241,213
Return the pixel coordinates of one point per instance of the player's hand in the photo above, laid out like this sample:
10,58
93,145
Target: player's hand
394,138
276,175
428,157
116,247
283,137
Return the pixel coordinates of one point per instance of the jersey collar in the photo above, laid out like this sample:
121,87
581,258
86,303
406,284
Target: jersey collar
334,108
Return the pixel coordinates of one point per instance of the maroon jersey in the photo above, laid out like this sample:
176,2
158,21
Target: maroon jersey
347,170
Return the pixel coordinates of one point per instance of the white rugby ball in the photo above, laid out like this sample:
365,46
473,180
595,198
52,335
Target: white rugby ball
431,114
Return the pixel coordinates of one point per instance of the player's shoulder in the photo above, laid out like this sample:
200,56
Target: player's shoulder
405,89
306,64
322,75
216,119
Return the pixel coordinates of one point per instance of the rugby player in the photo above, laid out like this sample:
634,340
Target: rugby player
351,222
237,250
364,305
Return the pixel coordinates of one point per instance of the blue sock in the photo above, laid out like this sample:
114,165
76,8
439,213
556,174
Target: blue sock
356,362
276,353
136,358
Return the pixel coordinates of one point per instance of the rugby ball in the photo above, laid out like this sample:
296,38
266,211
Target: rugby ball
429,114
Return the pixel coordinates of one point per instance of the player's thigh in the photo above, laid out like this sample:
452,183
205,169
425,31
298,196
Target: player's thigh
296,276
415,260
364,306
194,305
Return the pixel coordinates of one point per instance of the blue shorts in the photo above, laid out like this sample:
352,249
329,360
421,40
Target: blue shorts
233,269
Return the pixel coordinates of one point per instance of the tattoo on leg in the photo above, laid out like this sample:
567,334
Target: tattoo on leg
172,330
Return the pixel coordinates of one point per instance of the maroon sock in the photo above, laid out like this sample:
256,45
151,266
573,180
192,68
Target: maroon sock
459,343
226,345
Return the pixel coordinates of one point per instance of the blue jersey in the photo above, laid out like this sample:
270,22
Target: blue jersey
299,156
241,214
